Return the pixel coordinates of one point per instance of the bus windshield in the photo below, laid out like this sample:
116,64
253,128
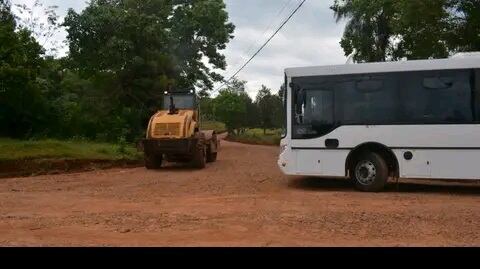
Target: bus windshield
314,112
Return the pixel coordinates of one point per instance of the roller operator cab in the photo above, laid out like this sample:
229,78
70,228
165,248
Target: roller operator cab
174,134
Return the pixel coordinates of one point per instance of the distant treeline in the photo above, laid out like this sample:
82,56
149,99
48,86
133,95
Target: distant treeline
234,107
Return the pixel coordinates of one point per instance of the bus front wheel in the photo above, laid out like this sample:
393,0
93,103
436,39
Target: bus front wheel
370,172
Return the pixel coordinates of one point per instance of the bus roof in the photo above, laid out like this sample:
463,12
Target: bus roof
459,61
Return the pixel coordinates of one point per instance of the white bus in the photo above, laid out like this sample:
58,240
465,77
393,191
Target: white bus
374,121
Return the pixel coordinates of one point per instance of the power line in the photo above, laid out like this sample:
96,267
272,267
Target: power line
265,44
267,30
260,49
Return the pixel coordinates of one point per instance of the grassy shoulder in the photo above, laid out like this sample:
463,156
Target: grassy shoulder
217,126
256,136
11,149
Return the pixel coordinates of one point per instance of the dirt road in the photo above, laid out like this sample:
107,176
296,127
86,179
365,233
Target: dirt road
241,200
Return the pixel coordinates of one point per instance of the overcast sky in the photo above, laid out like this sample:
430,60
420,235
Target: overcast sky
311,37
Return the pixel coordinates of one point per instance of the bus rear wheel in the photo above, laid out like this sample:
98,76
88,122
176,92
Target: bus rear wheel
370,172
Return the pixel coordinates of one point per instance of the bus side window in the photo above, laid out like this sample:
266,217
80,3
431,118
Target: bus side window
367,86
437,82
448,97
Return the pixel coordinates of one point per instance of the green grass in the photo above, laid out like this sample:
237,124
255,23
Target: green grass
218,127
11,149
256,136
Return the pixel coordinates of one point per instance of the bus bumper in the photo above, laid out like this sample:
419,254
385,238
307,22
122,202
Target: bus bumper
282,165
283,160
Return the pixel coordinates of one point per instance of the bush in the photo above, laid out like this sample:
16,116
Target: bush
217,126
256,136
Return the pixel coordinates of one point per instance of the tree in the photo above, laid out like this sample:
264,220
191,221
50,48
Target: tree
391,30
465,21
43,27
281,92
279,110
230,108
368,30
125,44
234,107
22,105
198,29
420,37
264,101
206,108
250,117
270,108
131,50
157,41
237,85
253,113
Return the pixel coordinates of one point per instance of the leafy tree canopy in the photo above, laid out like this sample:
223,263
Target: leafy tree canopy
383,30
231,106
150,44
270,108
21,106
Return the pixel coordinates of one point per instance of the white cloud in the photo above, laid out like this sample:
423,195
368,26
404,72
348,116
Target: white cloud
311,37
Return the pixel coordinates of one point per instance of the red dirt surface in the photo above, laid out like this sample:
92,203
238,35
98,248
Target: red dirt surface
241,200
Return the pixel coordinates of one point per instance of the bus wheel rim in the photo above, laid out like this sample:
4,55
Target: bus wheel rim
365,172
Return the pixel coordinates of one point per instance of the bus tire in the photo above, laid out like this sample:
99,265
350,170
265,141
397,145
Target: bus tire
370,172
